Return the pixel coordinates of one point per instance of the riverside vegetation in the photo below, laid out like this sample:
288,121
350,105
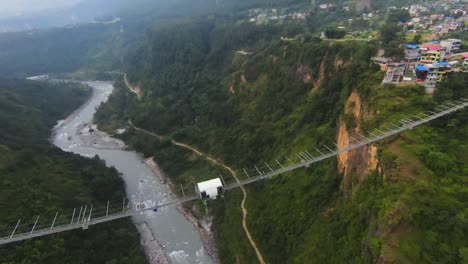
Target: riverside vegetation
38,178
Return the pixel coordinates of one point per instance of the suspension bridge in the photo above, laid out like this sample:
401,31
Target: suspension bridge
93,215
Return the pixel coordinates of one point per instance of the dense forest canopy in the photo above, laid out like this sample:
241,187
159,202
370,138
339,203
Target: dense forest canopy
279,97
60,50
37,178
100,47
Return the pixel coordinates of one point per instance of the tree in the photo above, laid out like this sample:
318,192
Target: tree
417,38
334,33
463,254
439,162
389,32
391,40
398,16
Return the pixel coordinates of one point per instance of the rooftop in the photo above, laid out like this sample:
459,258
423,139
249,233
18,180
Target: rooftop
444,64
412,46
430,46
421,68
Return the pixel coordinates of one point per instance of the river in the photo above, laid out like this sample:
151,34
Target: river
180,240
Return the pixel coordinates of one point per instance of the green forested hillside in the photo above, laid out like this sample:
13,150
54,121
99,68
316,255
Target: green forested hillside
98,48
288,96
37,178
60,50
93,49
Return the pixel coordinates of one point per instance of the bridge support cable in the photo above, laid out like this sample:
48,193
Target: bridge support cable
35,223
290,160
258,170
279,163
53,222
304,156
245,171
300,158
110,213
14,230
73,216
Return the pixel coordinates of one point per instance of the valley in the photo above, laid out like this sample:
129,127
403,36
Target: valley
175,93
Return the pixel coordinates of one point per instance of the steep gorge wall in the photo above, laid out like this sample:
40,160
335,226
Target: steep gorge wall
356,164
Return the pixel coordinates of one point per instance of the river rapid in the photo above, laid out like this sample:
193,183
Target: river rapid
179,239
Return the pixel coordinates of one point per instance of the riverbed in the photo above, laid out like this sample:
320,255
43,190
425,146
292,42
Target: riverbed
174,233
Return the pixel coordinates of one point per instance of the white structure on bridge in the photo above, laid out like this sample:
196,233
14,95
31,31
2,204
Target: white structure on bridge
210,189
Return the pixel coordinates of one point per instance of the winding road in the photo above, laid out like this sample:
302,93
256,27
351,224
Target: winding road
136,90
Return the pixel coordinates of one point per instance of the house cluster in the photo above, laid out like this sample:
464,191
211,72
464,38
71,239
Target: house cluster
261,16
424,7
430,60
427,63
437,24
326,6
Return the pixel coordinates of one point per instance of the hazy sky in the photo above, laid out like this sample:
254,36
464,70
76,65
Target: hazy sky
17,7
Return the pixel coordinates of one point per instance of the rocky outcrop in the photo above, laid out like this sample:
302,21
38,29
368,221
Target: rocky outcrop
303,73
156,169
339,63
321,74
342,141
203,225
232,89
372,162
356,164
151,246
243,78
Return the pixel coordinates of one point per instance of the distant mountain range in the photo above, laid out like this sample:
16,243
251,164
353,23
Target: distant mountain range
83,12
87,11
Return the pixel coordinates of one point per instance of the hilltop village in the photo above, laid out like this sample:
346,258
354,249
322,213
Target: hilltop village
427,63
421,43
434,47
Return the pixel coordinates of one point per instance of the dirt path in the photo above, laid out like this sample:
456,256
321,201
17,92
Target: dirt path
233,173
134,89
145,131
244,209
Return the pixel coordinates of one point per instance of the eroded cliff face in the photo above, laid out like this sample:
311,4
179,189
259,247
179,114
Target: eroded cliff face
321,75
355,164
342,141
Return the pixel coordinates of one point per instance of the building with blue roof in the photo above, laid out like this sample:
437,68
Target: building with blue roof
421,68
421,72
444,64
412,52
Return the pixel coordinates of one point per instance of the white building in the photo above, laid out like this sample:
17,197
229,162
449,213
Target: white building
451,45
210,189
395,72
432,76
